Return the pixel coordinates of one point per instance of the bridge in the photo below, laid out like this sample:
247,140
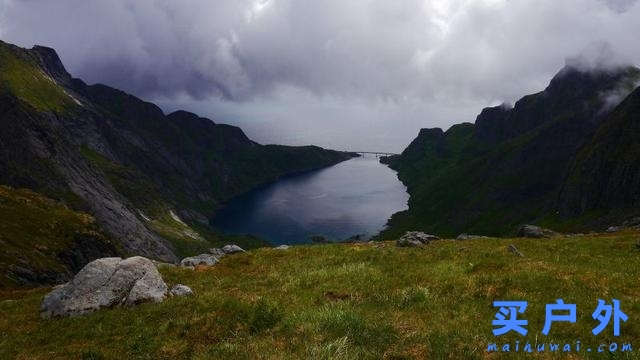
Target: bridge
376,153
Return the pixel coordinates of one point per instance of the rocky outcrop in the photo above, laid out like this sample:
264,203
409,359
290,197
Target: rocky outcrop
532,231
212,258
106,283
217,252
612,229
202,259
232,249
633,223
415,238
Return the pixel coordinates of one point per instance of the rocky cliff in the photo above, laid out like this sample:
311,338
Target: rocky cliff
605,175
554,158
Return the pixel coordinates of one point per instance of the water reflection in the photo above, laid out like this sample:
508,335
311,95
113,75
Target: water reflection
353,197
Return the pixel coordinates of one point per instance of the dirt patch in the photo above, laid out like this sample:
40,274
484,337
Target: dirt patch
335,296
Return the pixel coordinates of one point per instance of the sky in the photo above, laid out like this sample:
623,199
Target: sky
362,75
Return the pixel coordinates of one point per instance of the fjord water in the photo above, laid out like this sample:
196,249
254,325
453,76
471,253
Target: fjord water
353,197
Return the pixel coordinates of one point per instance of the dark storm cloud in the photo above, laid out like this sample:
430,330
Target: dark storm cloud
387,64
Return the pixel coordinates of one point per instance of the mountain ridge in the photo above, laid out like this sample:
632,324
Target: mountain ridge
508,167
121,159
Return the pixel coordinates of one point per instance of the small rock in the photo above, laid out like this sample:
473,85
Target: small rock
612,229
232,249
514,250
282,247
532,231
202,259
415,238
181,290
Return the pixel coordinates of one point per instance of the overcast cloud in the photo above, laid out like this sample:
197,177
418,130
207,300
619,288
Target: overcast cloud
362,75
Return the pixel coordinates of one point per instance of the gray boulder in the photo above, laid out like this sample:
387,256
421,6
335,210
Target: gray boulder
612,229
105,283
415,238
232,249
405,242
282,247
181,290
532,231
202,259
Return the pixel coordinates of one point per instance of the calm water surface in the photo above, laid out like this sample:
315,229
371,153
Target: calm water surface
354,197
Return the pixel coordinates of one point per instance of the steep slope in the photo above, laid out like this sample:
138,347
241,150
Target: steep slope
44,241
605,175
144,176
508,167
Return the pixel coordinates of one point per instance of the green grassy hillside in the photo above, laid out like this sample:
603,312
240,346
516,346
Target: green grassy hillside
21,76
358,301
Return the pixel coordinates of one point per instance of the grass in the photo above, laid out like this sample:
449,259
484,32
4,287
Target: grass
23,78
350,301
192,239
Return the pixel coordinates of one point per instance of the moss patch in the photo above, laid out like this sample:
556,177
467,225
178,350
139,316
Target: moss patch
34,230
22,78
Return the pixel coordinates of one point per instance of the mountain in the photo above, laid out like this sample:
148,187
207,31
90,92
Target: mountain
605,175
538,161
150,180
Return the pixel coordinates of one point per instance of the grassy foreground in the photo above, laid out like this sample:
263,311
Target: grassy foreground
354,301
